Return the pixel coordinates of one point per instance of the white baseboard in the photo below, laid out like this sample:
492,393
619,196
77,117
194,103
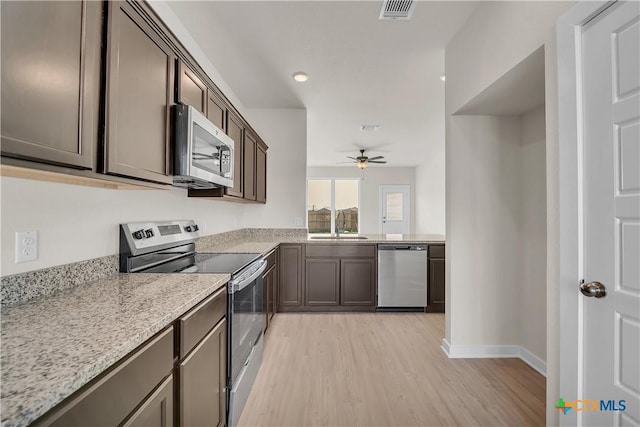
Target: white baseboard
534,361
445,346
494,351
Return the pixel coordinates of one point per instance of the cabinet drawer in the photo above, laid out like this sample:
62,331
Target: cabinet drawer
114,396
271,259
436,251
340,251
194,325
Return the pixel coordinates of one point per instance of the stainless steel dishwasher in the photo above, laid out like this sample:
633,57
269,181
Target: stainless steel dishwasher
402,276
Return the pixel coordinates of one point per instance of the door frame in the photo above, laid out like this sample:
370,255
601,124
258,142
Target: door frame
571,230
407,202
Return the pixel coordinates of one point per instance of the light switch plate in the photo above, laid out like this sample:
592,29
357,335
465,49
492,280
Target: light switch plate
297,222
26,246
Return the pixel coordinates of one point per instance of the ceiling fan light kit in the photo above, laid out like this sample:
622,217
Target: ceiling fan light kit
363,161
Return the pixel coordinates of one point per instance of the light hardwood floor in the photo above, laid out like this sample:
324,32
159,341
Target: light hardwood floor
380,369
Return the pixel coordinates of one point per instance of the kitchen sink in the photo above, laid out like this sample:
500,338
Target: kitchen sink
338,238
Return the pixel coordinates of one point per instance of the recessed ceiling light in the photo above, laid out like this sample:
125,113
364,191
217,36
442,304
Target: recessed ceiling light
300,76
443,77
370,128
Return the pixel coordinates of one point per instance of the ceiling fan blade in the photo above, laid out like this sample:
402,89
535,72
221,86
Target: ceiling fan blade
378,161
376,158
352,158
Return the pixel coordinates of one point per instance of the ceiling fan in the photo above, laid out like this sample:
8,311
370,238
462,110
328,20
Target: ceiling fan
363,161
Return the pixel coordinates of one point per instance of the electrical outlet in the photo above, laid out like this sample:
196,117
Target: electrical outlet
297,221
26,246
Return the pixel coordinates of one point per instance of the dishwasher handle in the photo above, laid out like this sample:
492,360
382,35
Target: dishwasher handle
402,247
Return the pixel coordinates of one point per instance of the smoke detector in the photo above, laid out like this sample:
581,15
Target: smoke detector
370,128
397,9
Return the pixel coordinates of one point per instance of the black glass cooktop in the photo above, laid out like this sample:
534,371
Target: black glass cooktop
206,263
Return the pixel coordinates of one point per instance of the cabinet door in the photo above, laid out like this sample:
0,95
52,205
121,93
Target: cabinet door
249,166
50,74
216,110
202,381
156,410
139,94
357,282
322,284
436,284
191,89
290,286
235,130
261,174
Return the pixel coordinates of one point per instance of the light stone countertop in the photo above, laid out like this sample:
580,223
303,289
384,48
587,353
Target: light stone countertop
264,245
53,346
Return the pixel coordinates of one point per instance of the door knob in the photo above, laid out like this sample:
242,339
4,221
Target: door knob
593,289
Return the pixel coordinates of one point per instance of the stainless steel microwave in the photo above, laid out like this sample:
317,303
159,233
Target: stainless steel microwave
202,153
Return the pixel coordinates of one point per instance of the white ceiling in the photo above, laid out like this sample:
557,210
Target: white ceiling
361,70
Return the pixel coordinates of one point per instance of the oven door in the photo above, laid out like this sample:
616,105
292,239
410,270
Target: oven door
245,319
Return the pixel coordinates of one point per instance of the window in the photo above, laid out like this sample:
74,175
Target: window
333,203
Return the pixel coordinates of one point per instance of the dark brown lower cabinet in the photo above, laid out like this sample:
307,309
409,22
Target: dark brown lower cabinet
322,284
291,274
157,410
436,280
203,380
140,390
357,282
337,277
135,389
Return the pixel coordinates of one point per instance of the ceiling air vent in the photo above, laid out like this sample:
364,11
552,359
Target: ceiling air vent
397,9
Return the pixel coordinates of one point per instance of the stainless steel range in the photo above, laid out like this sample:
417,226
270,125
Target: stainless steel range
169,247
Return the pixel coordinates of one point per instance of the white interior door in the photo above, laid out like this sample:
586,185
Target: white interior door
395,203
611,216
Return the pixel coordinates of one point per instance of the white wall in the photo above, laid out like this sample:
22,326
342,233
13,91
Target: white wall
430,194
285,131
533,204
76,223
374,177
484,237
495,39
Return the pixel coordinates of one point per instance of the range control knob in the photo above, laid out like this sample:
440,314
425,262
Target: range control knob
195,227
148,232
188,228
138,234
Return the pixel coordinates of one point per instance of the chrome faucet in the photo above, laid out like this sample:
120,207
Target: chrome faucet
344,222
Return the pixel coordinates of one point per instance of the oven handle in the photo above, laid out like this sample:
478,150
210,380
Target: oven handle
237,286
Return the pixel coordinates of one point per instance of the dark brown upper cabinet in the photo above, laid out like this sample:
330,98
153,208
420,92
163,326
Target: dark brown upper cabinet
140,72
51,81
191,89
235,131
249,165
216,110
261,173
